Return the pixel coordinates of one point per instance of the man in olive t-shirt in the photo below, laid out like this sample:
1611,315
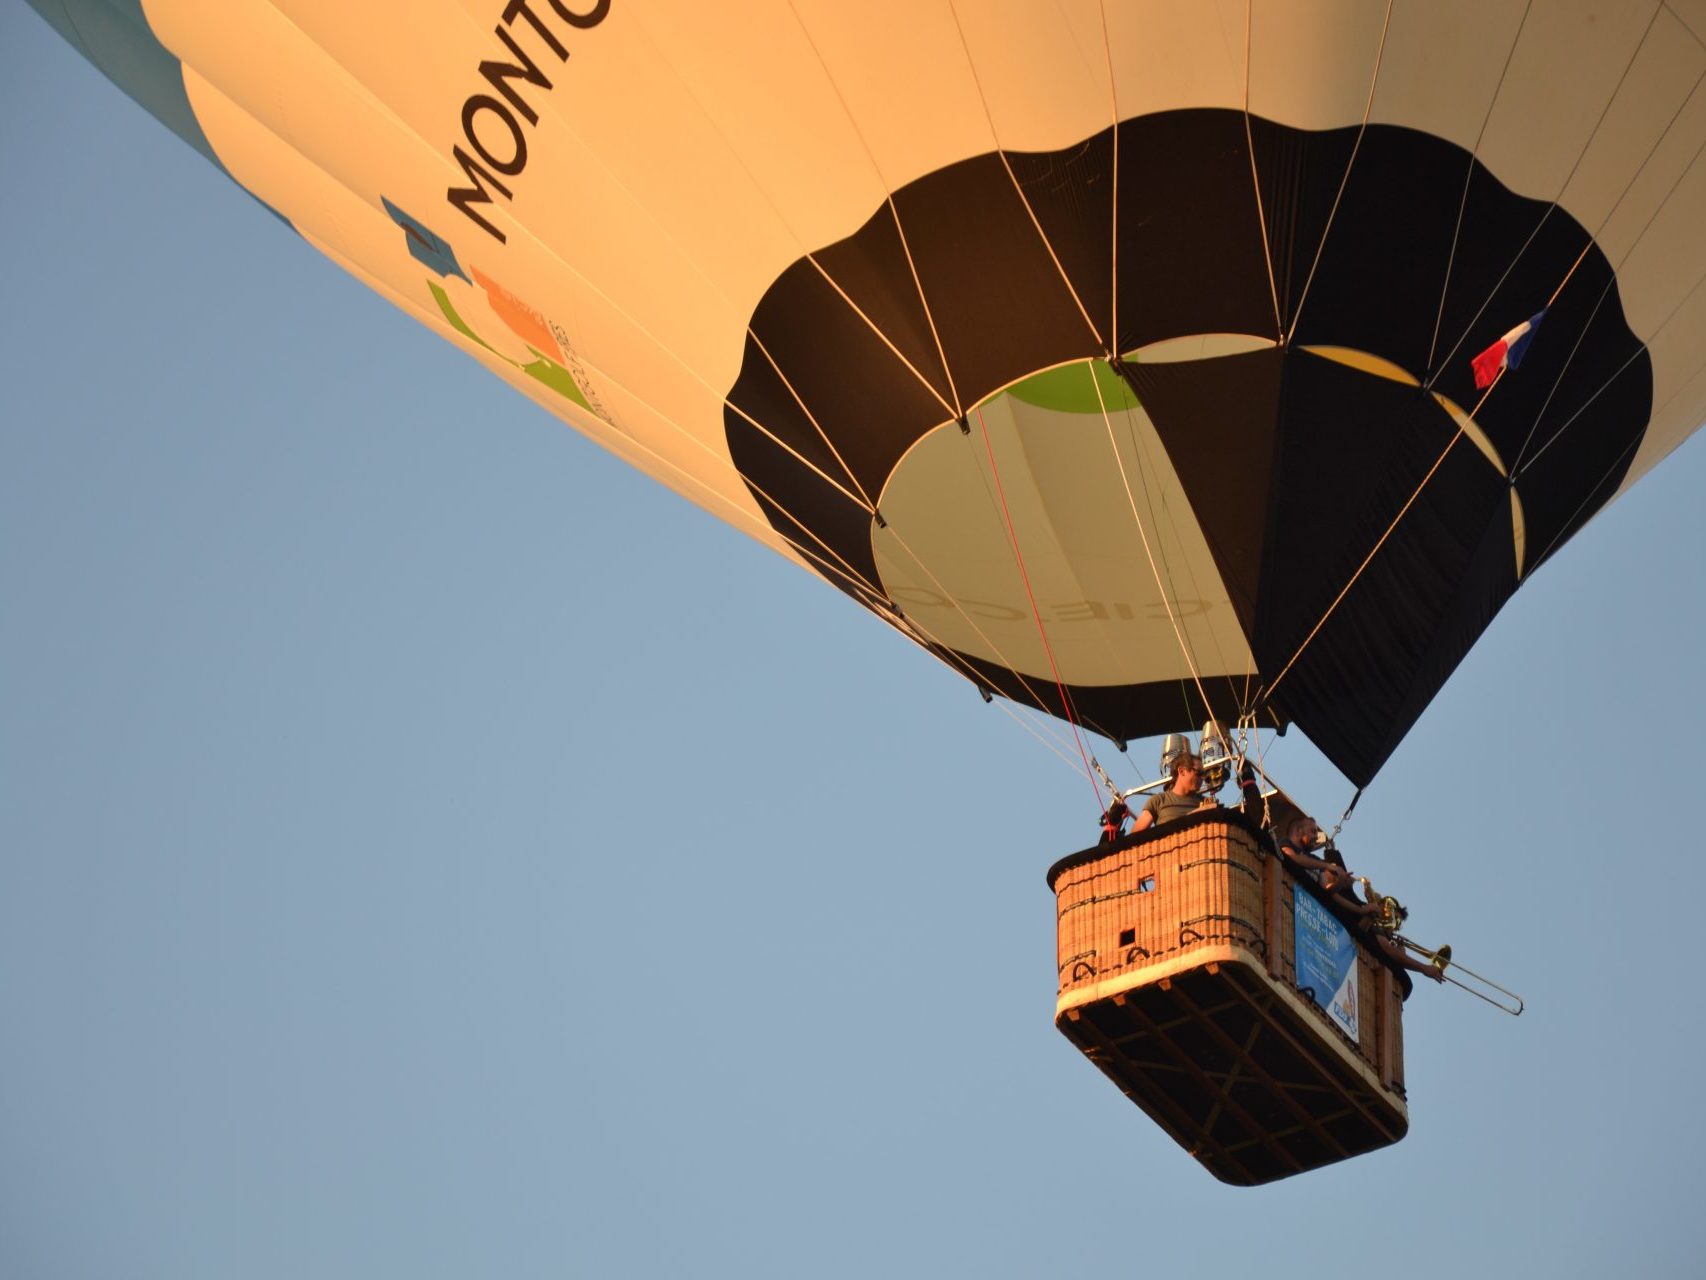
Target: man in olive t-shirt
1178,800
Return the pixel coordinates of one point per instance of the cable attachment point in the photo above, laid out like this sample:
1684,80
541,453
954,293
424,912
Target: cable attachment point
1103,775
878,516
1126,373
1344,817
965,426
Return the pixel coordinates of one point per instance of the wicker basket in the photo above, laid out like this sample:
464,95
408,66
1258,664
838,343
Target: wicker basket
1178,980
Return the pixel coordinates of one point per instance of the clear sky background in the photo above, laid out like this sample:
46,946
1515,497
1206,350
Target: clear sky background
431,849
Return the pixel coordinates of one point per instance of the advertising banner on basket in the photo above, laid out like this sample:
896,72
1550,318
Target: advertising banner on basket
1327,962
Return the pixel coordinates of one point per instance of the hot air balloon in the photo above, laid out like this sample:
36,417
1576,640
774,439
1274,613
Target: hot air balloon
1143,363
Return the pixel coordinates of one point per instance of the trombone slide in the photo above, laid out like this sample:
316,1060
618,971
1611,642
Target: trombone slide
1501,998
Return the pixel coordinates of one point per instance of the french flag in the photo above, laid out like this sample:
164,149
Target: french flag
1507,352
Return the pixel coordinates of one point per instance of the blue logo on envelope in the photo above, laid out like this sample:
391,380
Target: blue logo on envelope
1327,962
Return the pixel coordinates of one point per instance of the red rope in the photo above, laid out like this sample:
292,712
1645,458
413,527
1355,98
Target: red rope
1065,699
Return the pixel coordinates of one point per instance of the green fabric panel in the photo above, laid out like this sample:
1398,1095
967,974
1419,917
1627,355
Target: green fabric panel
557,378
1068,390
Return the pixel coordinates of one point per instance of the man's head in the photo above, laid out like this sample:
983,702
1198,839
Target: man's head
1187,770
1302,832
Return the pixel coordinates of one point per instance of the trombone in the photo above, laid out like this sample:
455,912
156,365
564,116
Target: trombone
1502,999
1390,918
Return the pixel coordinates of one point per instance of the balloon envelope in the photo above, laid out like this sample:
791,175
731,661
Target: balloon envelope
1119,355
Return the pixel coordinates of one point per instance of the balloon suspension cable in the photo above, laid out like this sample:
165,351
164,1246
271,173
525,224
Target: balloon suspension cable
1501,998
1344,817
1250,735
1052,747
1124,374
1126,793
1107,782
1067,710
1581,155
1266,693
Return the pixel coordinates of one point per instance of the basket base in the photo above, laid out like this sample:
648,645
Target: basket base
1241,1077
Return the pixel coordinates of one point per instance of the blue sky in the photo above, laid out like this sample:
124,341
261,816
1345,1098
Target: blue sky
429,848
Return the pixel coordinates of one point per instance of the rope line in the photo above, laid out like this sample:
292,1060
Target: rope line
1635,355
924,639
1031,729
989,118
828,560
1143,536
929,315
811,417
1267,693
1106,640
846,571
675,243
521,231
1519,465
1468,173
804,252
1564,528
1256,182
856,499
1550,209
995,506
994,648
888,195
1042,631
1140,452
1344,180
1114,232
630,441
1060,267
883,337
